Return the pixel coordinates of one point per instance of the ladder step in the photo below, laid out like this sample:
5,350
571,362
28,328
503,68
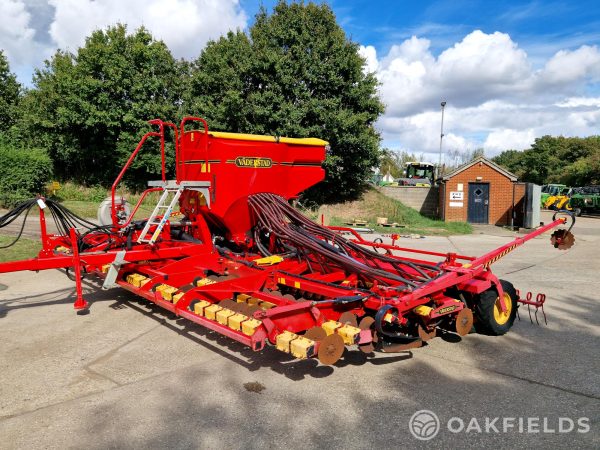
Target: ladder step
161,205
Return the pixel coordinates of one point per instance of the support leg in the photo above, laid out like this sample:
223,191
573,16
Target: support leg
80,303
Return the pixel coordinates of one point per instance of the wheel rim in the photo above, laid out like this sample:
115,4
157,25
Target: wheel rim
499,316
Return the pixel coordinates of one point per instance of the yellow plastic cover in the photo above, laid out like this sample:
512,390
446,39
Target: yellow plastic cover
261,138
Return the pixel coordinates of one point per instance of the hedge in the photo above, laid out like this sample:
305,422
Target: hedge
24,173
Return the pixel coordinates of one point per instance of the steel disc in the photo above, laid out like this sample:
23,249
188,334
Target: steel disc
348,318
562,239
425,334
567,242
240,308
252,309
366,324
331,349
464,322
227,303
315,333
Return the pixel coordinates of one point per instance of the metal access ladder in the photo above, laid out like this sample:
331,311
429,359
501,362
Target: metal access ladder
164,209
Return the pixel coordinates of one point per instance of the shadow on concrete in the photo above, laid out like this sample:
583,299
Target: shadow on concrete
92,292
523,376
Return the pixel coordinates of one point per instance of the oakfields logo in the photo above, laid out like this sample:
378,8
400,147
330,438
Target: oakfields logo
425,425
251,161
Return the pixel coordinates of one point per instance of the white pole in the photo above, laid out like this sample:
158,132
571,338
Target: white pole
443,104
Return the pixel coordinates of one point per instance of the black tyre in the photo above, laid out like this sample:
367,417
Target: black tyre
490,318
577,212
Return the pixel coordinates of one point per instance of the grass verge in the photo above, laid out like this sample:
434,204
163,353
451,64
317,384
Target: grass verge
24,248
84,201
374,204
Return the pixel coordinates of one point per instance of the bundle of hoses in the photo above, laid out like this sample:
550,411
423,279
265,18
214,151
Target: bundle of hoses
293,230
63,218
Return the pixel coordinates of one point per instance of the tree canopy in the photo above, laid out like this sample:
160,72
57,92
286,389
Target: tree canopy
295,74
574,161
89,109
394,162
10,91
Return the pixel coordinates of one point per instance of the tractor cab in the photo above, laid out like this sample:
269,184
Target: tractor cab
418,174
550,190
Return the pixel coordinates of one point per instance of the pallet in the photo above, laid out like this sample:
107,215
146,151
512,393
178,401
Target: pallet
392,225
357,223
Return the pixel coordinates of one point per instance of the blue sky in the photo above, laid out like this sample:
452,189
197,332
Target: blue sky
510,71
540,27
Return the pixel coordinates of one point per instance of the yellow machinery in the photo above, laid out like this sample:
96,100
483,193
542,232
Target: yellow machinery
560,200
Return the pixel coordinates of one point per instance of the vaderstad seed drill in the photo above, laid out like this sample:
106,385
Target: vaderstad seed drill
224,249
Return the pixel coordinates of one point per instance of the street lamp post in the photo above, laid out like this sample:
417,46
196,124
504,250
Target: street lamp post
443,104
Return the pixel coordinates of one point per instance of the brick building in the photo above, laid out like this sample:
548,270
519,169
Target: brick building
480,192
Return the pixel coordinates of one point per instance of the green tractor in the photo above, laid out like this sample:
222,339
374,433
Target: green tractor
586,200
418,174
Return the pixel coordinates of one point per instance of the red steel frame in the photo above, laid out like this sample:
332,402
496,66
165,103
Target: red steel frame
177,263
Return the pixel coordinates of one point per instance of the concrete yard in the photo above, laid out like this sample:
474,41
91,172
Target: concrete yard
129,374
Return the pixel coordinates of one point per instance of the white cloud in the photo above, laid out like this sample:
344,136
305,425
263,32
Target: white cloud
370,55
495,99
570,66
184,25
492,59
16,35
32,30
505,139
574,102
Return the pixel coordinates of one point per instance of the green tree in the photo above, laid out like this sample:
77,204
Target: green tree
24,173
10,91
510,160
556,159
296,74
90,108
394,162
584,169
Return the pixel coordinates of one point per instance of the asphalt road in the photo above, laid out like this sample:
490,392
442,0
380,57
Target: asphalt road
130,375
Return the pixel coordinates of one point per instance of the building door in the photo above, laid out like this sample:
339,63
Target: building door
479,203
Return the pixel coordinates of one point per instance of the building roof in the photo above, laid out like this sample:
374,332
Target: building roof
481,159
